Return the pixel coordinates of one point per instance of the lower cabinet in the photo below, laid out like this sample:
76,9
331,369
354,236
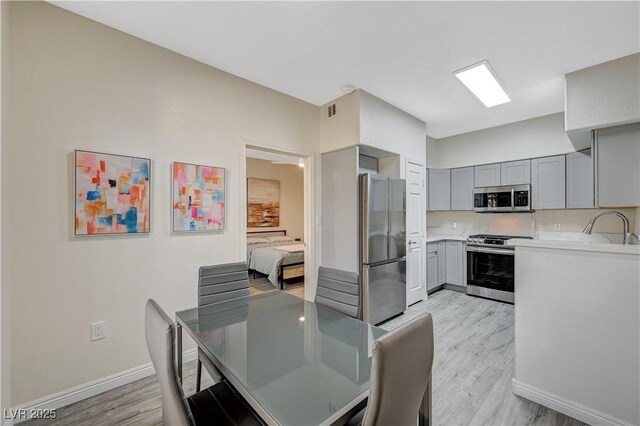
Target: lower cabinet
432,270
445,264
442,267
454,262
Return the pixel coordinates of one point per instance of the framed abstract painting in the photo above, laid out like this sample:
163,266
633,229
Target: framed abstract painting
198,200
263,203
112,194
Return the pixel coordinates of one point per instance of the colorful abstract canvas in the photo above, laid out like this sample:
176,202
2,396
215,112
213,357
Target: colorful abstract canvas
198,198
263,203
112,194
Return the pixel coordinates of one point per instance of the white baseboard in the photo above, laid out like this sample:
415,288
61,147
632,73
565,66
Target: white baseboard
565,406
87,390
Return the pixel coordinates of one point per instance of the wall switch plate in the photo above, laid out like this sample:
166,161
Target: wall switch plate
556,227
455,225
98,331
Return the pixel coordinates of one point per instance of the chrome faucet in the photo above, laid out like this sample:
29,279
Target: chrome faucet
625,224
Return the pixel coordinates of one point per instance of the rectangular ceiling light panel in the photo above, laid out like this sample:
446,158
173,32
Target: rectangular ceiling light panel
483,83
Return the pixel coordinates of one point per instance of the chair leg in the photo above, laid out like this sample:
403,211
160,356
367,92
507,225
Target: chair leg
426,410
198,375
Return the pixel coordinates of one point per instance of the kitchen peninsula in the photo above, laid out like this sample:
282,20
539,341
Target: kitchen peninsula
577,328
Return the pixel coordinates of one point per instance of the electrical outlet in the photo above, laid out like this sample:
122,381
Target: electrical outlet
98,331
556,227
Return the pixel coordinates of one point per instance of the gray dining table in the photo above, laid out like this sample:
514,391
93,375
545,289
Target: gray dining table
295,362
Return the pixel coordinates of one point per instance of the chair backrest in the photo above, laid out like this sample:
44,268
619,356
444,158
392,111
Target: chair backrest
220,283
339,290
400,373
160,336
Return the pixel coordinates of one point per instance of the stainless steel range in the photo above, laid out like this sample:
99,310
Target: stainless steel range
490,267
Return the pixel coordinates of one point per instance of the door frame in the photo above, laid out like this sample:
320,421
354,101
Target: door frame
308,210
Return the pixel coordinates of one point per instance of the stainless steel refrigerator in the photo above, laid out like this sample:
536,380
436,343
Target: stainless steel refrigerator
383,263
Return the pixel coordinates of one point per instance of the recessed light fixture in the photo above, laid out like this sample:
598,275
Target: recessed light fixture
483,82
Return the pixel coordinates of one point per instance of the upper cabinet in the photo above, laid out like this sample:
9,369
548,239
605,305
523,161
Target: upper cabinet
462,188
600,96
618,167
548,182
487,175
580,180
439,189
515,172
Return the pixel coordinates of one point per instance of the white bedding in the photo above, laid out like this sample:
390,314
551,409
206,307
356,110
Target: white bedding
267,259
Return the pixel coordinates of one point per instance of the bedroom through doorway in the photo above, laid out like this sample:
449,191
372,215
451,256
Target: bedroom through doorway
275,221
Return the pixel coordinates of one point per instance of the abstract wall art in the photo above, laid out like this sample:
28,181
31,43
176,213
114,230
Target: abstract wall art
112,194
198,198
263,203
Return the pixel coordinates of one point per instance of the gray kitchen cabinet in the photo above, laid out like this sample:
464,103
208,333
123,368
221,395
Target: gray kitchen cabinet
548,182
442,264
432,266
439,189
618,166
580,180
487,175
515,172
462,188
426,187
454,265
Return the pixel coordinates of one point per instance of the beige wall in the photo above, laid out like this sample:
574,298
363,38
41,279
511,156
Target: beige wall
291,193
81,85
538,137
5,295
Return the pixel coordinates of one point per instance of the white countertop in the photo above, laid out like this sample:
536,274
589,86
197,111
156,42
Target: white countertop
434,238
576,245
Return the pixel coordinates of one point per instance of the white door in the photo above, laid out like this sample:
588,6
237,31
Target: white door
416,212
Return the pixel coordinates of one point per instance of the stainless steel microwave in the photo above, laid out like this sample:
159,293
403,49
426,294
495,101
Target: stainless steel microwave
502,199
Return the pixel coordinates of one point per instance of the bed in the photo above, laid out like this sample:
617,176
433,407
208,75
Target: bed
276,255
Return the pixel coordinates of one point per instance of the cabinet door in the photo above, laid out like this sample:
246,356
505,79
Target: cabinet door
432,270
580,180
548,182
442,267
618,171
462,188
487,175
454,262
515,172
439,189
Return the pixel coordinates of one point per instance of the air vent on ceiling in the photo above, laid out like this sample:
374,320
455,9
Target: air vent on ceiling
331,110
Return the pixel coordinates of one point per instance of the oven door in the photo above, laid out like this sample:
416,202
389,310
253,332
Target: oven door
490,273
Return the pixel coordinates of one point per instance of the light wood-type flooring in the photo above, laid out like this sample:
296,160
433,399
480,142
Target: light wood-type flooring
472,373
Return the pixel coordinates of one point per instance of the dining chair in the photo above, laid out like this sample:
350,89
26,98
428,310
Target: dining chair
400,391
218,404
340,291
216,284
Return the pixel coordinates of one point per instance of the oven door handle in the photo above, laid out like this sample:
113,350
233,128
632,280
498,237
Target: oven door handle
491,250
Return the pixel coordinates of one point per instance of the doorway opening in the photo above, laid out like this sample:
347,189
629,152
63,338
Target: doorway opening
275,222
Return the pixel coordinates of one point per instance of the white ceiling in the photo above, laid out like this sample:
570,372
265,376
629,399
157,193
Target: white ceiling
402,52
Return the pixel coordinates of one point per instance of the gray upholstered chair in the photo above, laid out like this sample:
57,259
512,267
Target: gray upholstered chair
400,391
340,291
219,404
216,284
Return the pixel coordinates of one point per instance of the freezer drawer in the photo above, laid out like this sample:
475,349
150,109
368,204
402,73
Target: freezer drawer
384,291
